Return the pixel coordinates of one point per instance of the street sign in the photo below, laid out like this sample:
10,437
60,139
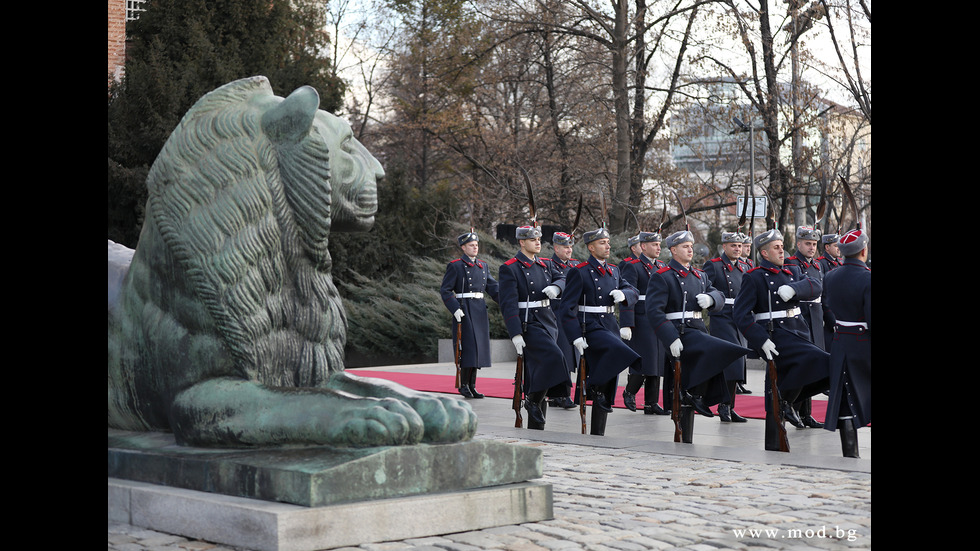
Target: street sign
758,202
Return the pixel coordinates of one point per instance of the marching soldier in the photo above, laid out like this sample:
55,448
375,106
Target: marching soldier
725,274
560,394
592,289
747,250
636,331
831,257
768,313
829,260
634,246
527,286
464,288
814,310
676,294
848,294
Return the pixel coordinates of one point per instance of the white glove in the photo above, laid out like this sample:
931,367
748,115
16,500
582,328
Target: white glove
580,345
626,333
617,295
458,314
519,343
552,291
786,292
676,347
769,349
705,300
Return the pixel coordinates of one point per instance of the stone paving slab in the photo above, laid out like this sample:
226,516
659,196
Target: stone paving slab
624,500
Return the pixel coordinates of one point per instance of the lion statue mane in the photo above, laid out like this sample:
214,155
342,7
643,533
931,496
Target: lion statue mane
225,326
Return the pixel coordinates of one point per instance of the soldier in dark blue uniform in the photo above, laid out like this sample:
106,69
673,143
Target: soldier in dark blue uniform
725,274
814,311
560,394
527,286
592,289
831,257
464,289
676,294
636,331
847,291
768,314
829,260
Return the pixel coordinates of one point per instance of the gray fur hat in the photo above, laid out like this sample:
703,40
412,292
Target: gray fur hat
829,238
590,236
767,237
852,242
466,238
528,232
807,233
649,237
562,238
731,237
677,238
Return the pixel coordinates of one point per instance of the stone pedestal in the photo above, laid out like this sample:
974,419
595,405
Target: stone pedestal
309,498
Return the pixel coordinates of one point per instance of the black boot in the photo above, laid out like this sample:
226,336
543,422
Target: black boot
534,403
790,415
848,437
629,399
464,382
697,403
725,413
473,384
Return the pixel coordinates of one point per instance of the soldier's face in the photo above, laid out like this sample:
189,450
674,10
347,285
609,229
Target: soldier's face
600,249
531,247
808,247
732,250
471,249
832,249
773,252
683,252
651,249
564,252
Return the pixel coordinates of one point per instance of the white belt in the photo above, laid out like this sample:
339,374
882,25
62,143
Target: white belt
534,304
642,297
693,314
729,301
863,324
597,309
815,301
469,295
791,313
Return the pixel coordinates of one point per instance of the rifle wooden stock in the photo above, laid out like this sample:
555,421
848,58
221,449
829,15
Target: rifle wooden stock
580,388
675,407
777,410
459,349
518,384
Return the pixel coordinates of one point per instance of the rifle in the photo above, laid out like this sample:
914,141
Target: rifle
777,410
581,377
675,407
459,349
581,391
518,385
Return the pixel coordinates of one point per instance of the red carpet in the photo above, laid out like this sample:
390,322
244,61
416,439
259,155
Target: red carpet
746,405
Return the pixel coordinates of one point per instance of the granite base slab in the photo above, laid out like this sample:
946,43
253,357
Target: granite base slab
315,476
258,525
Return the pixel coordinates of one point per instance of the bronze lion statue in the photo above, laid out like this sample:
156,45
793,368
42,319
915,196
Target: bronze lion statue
225,326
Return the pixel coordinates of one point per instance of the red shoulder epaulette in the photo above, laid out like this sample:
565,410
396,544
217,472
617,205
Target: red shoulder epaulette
718,259
581,264
664,269
511,261
456,260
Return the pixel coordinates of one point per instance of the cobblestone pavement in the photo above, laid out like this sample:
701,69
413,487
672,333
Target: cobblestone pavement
628,500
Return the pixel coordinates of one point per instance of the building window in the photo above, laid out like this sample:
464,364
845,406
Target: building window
133,9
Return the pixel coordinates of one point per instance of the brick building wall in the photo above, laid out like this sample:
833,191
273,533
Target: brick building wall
117,38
